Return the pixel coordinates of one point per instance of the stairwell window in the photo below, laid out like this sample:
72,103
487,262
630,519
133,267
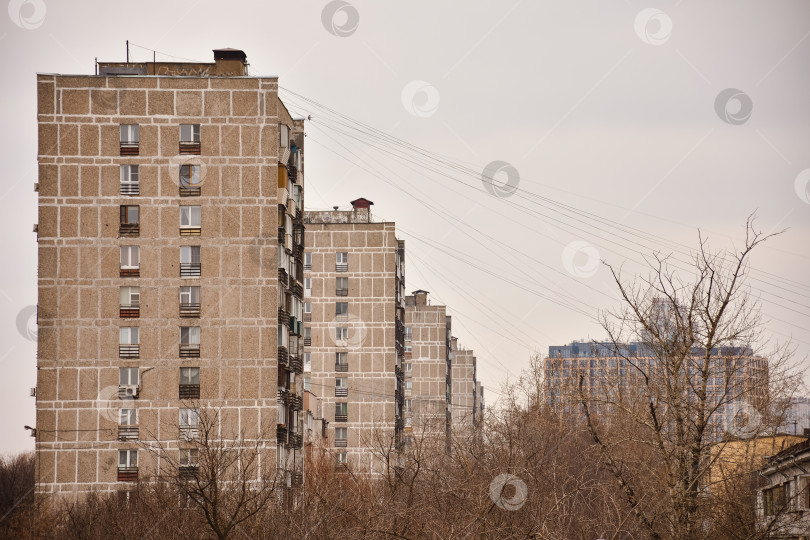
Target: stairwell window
130,221
130,302
128,376
341,311
189,138
130,139
190,261
189,342
190,220
128,346
130,180
341,262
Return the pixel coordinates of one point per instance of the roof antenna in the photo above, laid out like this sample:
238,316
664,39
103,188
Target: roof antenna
335,208
127,51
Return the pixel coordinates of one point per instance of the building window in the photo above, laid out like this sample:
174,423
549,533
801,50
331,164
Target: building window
283,136
342,286
189,342
190,261
307,384
189,423
190,301
773,500
342,262
341,311
408,405
130,221
408,333
408,366
189,138
307,336
130,183
408,348
307,361
130,138
190,182
341,412
128,383
190,220
130,302
341,387
341,363
408,386
307,287
341,458
341,333
128,346
130,261
128,424
307,261
189,462
340,437
127,465
189,383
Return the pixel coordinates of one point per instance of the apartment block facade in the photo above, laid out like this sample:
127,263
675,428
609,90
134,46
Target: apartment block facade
427,367
464,389
354,279
170,273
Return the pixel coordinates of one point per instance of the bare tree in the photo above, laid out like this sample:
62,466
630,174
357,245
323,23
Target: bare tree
697,334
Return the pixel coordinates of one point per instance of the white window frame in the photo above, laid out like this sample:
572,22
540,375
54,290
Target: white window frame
128,417
189,418
307,361
127,256
130,134
190,175
342,458
189,457
341,313
127,458
126,376
341,355
188,254
130,174
130,296
342,382
128,335
344,431
408,385
188,294
190,133
308,307
408,366
283,135
342,257
308,259
187,376
307,384
341,333
190,217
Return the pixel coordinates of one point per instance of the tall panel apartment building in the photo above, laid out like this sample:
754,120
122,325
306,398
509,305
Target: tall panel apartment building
427,367
170,269
464,389
354,281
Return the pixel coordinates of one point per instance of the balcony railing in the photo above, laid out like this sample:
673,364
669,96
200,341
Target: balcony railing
190,310
341,367
342,317
189,391
340,443
281,233
342,267
281,433
296,440
283,316
127,474
189,433
282,277
129,229
190,147
341,392
129,149
130,272
190,231
190,269
296,365
189,350
283,356
127,432
188,471
131,311
307,340
292,173
298,290
130,188
342,292
341,418
129,351
190,191
296,402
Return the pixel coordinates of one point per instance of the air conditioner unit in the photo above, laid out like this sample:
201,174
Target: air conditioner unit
34,392
128,391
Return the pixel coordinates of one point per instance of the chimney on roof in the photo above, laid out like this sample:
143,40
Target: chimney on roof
421,297
230,62
807,432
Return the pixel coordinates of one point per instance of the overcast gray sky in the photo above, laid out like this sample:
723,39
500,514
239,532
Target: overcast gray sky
614,108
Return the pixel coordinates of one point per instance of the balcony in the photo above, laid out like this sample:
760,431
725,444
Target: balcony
341,392
129,149
292,173
296,402
189,350
341,367
127,474
131,311
190,148
190,269
298,290
127,433
282,278
189,310
281,233
341,418
281,433
129,229
283,316
129,351
130,272
189,391
340,443
283,356
296,440
298,251
190,231
296,365
130,188
342,292
190,191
